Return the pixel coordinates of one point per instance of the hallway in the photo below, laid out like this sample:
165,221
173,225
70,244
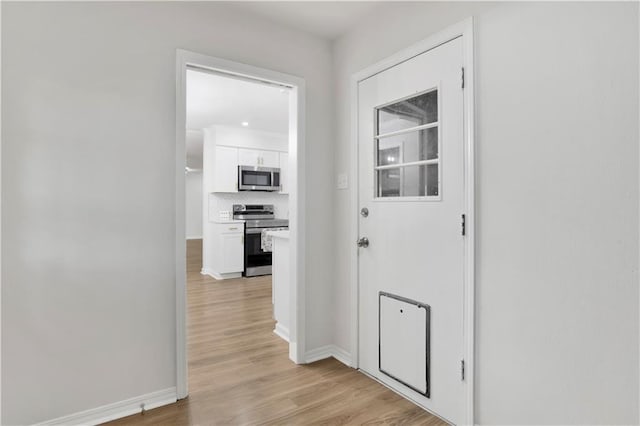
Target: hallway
239,372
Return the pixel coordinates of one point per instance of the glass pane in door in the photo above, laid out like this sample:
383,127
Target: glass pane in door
409,147
388,154
412,112
409,181
432,180
389,182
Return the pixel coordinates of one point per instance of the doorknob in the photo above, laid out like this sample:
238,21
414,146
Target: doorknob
363,242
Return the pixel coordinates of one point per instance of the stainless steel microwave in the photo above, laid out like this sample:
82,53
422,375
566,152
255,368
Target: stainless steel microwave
253,178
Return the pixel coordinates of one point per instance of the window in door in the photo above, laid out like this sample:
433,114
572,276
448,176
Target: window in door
407,142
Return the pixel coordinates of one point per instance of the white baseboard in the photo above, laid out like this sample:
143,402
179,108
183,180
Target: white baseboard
327,351
194,237
342,356
317,354
217,276
116,410
281,331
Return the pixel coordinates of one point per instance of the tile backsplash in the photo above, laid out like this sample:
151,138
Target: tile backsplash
225,201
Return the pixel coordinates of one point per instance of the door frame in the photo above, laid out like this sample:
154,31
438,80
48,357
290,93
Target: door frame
462,29
297,239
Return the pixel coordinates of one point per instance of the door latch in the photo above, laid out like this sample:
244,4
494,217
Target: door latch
363,242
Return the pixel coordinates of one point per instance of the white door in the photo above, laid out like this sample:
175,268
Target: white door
411,177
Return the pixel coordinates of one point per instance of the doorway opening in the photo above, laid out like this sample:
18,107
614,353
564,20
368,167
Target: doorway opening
239,277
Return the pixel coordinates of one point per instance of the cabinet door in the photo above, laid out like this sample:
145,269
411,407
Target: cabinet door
248,157
284,172
232,251
226,169
269,159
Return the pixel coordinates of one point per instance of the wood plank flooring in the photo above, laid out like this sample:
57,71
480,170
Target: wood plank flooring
240,373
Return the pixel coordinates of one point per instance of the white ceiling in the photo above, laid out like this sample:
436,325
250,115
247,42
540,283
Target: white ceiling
328,19
215,99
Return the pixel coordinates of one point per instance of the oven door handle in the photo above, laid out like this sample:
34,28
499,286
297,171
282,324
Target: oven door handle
254,230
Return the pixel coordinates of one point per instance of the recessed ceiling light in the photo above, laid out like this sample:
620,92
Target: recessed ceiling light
245,123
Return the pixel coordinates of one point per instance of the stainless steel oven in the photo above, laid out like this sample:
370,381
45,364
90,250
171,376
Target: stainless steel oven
256,261
253,178
257,217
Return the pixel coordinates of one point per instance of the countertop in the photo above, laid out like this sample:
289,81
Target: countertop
284,234
226,221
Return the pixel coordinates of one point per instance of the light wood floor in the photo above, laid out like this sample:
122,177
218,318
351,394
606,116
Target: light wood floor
240,373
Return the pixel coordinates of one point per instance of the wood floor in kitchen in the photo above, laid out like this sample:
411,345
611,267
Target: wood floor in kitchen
240,373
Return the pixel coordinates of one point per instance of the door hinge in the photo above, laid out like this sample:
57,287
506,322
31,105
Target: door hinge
462,369
464,224
463,77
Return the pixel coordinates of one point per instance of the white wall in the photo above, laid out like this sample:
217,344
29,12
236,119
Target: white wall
193,142
557,201
193,213
88,164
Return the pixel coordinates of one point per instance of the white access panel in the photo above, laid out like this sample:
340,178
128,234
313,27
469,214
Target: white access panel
404,341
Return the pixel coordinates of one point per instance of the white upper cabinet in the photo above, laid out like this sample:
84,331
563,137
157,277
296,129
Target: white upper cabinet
248,157
226,169
225,148
284,172
254,157
270,158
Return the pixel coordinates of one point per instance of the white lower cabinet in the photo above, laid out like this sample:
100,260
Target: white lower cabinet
229,252
280,283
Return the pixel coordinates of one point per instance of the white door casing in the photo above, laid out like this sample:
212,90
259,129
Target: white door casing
417,250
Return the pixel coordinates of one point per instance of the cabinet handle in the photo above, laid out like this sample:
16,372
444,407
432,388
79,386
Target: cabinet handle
233,229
